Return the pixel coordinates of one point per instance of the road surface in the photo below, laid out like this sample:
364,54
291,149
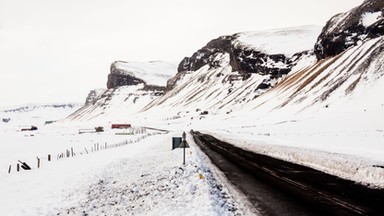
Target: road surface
277,187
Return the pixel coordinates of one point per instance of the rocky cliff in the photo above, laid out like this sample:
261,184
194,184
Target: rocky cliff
131,85
348,29
120,77
94,95
246,58
238,68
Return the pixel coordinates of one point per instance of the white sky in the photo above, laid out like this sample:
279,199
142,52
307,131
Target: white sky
58,50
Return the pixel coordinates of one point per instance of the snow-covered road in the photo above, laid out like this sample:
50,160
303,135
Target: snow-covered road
299,190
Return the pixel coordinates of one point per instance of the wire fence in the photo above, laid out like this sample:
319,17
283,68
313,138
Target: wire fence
73,152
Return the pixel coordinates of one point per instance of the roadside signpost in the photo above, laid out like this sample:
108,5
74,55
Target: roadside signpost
184,145
180,142
176,142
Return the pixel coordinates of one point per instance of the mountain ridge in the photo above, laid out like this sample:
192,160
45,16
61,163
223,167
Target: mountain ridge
243,73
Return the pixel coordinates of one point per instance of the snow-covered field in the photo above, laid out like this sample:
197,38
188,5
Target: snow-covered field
142,176
145,177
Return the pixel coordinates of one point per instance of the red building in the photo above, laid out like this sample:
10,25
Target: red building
120,126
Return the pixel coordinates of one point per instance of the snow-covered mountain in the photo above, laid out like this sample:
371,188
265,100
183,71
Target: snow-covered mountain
270,53
228,62
131,86
257,80
283,75
219,78
259,73
35,114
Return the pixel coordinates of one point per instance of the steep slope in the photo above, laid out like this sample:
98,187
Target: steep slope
348,84
93,95
236,69
271,53
275,76
248,75
131,86
347,78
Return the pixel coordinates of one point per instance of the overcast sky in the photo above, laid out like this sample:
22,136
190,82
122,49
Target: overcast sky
58,50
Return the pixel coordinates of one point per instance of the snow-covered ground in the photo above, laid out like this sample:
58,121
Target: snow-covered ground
142,176
145,177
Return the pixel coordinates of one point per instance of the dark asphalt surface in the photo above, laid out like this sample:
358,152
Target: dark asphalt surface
277,187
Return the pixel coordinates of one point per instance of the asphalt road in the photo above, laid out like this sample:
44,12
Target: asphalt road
277,187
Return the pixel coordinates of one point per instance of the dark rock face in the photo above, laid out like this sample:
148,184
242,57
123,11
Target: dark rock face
253,61
207,54
345,30
118,78
244,60
6,120
157,89
92,95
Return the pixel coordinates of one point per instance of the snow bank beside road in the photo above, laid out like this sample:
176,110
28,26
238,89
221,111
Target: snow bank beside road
145,178
352,167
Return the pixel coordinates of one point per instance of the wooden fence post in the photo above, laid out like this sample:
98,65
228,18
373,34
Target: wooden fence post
18,167
86,150
38,162
72,151
49,157
9,169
